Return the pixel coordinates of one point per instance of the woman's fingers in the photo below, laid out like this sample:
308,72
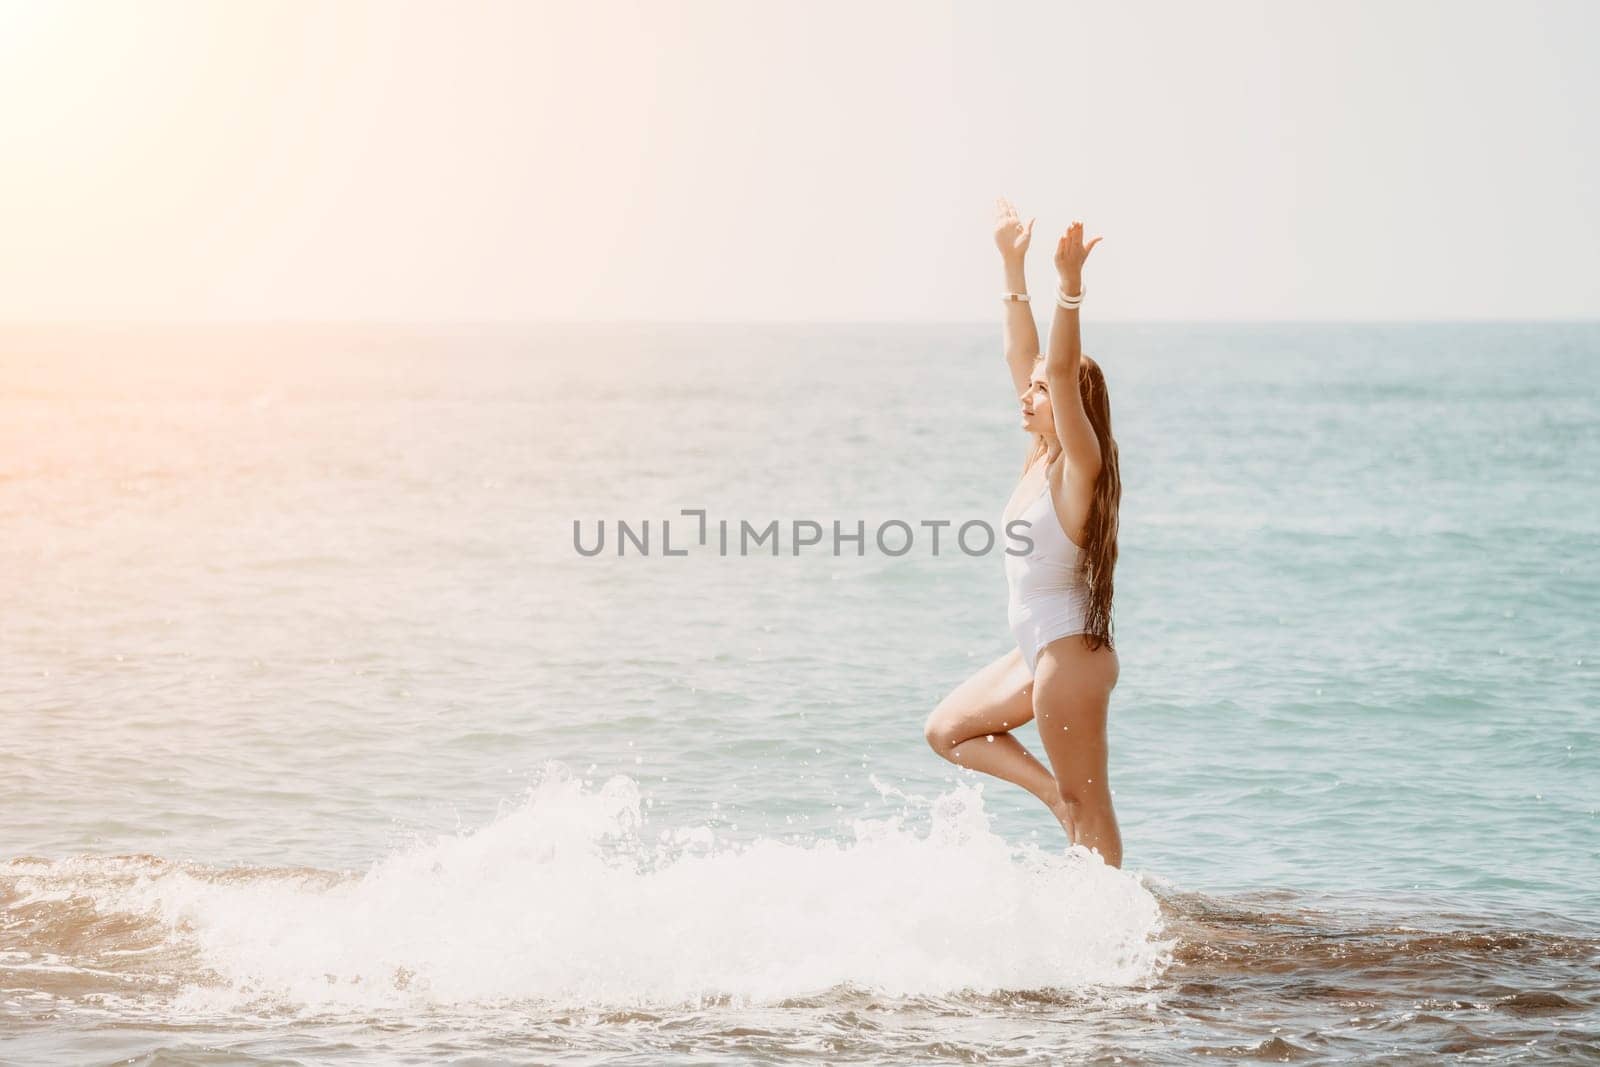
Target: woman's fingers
1073,235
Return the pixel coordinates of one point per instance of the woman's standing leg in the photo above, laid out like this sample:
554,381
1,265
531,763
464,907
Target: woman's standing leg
1071,698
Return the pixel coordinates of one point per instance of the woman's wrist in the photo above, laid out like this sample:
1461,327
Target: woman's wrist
1071,286
1016,276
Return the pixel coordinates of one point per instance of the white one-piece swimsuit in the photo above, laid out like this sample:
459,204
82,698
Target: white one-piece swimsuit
1049,598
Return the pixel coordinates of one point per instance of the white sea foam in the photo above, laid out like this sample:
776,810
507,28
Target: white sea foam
559,901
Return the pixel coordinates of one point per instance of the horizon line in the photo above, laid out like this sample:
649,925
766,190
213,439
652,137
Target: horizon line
505,322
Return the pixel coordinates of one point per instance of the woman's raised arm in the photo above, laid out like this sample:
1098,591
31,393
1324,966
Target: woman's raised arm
1011,236
1061,365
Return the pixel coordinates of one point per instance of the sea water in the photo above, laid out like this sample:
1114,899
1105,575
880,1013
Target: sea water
324,742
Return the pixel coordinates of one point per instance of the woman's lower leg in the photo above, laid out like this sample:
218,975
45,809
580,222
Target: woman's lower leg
1093,824
1003,756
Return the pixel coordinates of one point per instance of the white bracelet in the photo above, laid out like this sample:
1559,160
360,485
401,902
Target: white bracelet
1021,298
1071,303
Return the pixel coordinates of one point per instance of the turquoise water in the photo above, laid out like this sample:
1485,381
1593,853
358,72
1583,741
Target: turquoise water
296,628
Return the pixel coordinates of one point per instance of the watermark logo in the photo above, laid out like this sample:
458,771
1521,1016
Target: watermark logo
741,537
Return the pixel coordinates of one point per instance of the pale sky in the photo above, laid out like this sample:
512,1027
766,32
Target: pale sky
797,161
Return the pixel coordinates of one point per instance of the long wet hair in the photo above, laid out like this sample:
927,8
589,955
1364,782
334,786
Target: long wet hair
1100,532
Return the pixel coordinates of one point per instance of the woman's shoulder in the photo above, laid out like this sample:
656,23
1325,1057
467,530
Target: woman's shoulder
1061,472
1073,492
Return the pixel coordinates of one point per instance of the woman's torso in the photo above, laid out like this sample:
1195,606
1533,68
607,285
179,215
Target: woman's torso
1052,568
1071,513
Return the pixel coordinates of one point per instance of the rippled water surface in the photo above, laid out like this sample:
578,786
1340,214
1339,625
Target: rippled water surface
324,744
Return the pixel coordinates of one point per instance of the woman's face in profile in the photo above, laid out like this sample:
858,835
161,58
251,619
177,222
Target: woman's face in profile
1036,414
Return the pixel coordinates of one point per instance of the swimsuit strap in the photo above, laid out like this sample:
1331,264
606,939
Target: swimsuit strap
1042,491
1053,515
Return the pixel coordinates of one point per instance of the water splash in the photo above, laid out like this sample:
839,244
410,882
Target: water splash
560,900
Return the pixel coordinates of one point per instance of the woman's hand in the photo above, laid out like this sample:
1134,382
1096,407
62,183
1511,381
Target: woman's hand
1011,235
1070,254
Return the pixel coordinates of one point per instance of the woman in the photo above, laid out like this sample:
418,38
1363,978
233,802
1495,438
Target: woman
1065,666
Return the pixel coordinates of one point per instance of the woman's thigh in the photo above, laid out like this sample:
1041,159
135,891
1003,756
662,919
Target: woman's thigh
999,697
1071,698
